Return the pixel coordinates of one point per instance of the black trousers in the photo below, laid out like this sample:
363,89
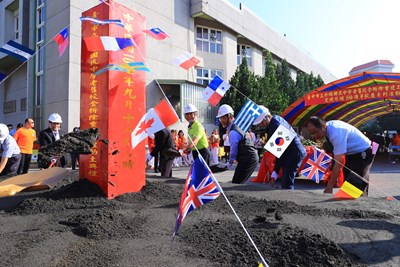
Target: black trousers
245,168
359,163
205,153
24,164
74,158
165,166
11,166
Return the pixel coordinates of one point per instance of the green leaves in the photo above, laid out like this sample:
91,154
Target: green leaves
275,90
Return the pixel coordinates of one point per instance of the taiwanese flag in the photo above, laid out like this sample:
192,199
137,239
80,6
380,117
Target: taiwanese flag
215,90
62,40
199,189
156,119
186,61
156,33
316,165
107,43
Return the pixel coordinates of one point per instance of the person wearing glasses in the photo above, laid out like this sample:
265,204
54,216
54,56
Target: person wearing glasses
242,148
25,137
349,141
52,134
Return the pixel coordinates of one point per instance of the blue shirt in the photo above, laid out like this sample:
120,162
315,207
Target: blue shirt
234,139
9,147
345,138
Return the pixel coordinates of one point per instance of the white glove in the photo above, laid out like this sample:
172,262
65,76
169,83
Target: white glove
274,175
228,165
149,157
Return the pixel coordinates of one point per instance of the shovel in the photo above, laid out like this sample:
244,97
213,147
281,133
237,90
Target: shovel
37,180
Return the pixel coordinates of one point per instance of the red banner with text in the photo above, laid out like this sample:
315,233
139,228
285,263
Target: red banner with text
113,101
353,94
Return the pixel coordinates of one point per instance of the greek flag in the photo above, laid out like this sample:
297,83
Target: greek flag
249,112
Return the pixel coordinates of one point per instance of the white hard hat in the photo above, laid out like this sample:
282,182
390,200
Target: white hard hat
189,108
55,117
264,113
4,132
224,110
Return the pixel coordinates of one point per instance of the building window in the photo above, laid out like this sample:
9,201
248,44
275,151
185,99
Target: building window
16,24
10,107
205,76
40,51
23,104
209,40
244,51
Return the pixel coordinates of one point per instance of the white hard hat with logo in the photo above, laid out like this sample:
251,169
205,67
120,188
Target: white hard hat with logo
55,117
224,110
4,132
265,112
189,108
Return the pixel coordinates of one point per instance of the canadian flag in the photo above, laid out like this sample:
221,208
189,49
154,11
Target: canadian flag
186,61
156,119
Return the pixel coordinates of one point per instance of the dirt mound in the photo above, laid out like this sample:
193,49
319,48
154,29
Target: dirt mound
142,224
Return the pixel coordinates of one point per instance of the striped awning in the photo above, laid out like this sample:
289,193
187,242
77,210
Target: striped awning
355,99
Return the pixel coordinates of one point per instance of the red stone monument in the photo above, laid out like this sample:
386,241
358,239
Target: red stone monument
114,102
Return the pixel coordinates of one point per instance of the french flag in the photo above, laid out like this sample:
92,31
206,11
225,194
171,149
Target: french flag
215,90
156,33
62,41
107,43
186,61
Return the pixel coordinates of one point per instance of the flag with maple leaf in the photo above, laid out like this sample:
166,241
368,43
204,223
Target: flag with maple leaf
156,119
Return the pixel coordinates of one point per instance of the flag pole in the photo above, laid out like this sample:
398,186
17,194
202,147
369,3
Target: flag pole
234,212
212,176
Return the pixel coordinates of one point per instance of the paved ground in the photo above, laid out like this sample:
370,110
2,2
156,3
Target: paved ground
384,179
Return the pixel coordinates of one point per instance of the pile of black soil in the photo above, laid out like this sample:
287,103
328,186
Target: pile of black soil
81,208
75,142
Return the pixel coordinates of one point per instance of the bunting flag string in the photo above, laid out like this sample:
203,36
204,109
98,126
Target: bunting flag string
117,22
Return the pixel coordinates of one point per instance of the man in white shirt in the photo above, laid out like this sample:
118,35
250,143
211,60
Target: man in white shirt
11,154
349,141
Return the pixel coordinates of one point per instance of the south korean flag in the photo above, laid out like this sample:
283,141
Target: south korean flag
279,141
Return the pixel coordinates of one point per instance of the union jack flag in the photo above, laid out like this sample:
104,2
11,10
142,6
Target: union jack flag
199,189
316,165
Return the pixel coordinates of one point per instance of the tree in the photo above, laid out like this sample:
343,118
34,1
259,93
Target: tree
270,95
285,81
246,84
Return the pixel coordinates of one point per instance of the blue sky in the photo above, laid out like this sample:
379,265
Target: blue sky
339,34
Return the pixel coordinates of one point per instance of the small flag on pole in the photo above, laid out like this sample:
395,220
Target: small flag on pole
18,51
199,189
247,115
279,141
62,41
316,165
117,22
156,119
107,43
348,191
156,33
215,90
186,61
127,67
